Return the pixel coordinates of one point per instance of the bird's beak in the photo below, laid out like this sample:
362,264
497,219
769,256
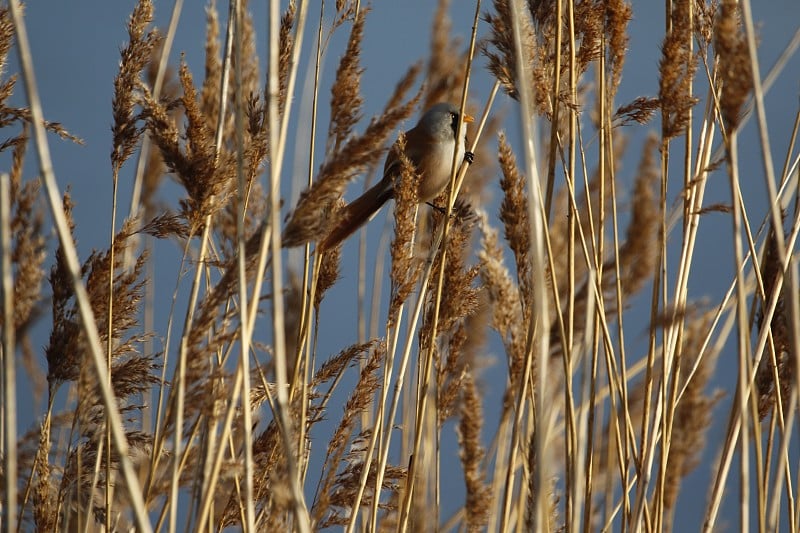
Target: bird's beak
468,118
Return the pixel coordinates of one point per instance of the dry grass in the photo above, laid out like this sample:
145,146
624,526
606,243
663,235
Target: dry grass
591,425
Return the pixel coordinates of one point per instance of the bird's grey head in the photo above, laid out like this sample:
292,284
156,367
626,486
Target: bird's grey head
441,120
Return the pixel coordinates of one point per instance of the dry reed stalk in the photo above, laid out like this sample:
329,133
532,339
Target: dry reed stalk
734,423
134,58
676,75
9,421
692,413
261,260
131,373
614,42
276,148
478,502
361,397
732,53
507,319
617,17
304,359
444,77
458,172
638,254
246,77
28,252
251,146
776,370
735,74
405,270
346,99
504,300
461,303
158,79
395,111
634,261
514,215
45,492
568,288
676,72
125,136
198,167
567,60
211,99
776,215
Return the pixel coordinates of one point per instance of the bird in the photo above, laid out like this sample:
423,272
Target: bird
429,146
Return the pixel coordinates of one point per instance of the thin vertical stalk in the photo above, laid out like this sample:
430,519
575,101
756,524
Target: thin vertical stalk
9,427
244,360
277,139
179,381
538,345
163,61
456,176
303,355
73,265
109,344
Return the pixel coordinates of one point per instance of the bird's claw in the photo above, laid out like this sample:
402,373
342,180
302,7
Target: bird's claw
469,157
440,209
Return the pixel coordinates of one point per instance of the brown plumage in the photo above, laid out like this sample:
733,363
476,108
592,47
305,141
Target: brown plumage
429,146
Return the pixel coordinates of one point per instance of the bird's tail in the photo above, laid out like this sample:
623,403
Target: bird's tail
358,212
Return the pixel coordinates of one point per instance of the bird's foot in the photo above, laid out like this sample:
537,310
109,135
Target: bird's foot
438,208
462,211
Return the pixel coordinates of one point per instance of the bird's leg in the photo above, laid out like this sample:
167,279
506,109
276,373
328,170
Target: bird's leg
440,209
461,210
469,157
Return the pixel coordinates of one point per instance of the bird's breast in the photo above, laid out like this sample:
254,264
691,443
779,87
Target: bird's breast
435,168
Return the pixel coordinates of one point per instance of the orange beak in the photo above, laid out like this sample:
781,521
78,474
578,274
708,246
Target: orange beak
468,118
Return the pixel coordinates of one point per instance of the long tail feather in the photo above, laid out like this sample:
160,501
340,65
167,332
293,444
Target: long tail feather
358,212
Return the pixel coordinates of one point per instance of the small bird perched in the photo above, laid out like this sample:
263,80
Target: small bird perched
429,146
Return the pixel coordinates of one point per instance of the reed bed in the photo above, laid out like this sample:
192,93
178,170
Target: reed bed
532,353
